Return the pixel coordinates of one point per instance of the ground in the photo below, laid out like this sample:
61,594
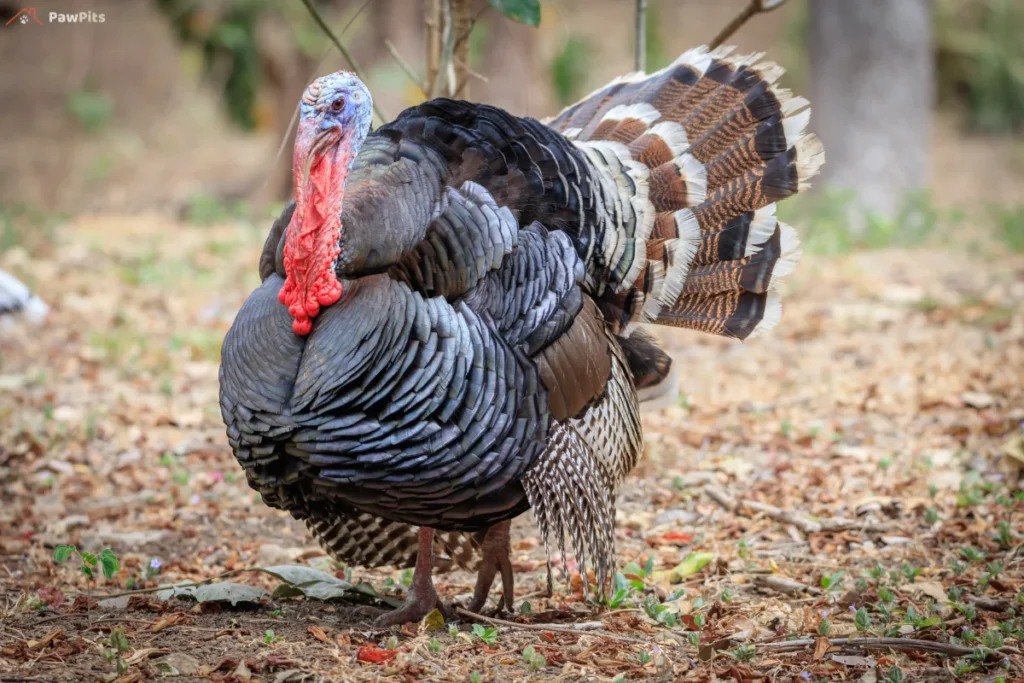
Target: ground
864,456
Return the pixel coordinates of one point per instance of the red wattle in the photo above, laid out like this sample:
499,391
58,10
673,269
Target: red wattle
311,246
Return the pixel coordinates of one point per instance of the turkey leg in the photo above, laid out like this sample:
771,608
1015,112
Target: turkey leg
497,556
422,597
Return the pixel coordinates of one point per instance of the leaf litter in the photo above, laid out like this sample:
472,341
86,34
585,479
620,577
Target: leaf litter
839,500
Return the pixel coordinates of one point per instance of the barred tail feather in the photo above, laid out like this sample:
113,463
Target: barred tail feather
364,540
571,498
722,143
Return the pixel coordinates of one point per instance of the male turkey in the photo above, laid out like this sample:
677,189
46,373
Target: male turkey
448,330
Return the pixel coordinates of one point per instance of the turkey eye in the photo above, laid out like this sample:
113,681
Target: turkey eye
338,104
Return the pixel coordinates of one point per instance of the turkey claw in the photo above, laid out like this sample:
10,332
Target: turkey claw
410,612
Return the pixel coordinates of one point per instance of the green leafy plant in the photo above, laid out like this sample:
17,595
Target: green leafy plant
270,638
435,645
862,620
972,554
488,635
833,582
533,659
569,69
114,648
743,653
93,110
106,561
523,11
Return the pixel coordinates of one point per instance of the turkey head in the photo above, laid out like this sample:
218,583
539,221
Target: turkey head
334,119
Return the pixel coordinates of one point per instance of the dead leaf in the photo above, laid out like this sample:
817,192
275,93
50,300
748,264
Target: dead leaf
852,660
434,621
932,589
319,634
184,664
821,646
978,399
45,640
691,564
145,653
242,673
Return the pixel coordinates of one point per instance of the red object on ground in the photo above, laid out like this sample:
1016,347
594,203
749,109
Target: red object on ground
374,654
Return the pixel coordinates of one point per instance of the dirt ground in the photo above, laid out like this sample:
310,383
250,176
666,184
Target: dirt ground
864,456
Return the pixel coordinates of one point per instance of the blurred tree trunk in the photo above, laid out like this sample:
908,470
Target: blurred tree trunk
872,92
287,72
511,63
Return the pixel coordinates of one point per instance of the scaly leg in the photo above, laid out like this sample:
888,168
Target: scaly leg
422,598
497,551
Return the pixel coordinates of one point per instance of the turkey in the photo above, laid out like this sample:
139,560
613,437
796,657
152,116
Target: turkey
15,297
452,325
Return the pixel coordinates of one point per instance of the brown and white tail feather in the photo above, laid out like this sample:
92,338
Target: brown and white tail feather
363,540
721,142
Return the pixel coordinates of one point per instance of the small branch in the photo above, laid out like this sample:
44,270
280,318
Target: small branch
404,66
721,497
755,7
474,74
142,591
783,585
447,50
804,524
908,644
341,48
575,629
640,37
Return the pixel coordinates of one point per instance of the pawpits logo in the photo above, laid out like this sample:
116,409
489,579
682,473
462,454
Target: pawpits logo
28,15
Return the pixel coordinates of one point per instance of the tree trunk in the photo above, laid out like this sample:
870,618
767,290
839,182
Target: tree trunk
872,92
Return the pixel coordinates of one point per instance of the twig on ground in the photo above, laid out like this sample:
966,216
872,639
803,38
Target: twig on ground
992,604
801,522
721,497
590,627
804,524
907,644
341,48
784,585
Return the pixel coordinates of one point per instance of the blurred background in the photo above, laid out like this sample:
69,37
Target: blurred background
181,105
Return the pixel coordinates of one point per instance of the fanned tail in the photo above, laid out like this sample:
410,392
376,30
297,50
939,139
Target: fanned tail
699,151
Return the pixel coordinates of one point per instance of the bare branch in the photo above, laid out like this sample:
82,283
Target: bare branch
640,37
341,48
404,66
755,7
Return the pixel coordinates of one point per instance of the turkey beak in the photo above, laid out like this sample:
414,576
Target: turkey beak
323,140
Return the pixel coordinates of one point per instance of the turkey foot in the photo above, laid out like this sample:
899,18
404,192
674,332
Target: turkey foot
422,598
497,551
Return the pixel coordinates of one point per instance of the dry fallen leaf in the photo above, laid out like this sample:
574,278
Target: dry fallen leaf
319,634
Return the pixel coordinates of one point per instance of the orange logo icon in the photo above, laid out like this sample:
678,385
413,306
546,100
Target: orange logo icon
25,15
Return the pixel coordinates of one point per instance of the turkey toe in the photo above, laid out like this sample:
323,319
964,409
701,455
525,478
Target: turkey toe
497,557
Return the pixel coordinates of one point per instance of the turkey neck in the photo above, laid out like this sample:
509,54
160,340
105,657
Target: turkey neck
313,242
